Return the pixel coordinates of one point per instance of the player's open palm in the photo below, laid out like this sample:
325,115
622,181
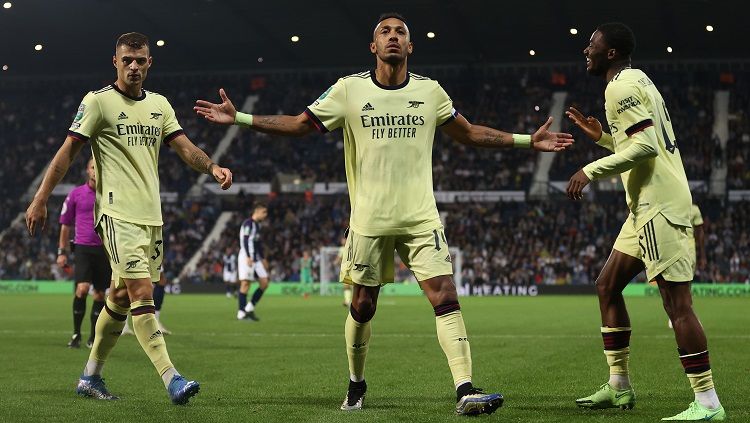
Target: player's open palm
223,113
544,140
36,217
589,125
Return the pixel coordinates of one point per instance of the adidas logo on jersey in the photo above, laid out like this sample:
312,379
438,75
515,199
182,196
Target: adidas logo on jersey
122,116
367,107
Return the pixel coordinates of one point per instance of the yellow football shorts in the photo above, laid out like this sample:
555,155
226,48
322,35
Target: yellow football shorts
663,247
135,251
369,260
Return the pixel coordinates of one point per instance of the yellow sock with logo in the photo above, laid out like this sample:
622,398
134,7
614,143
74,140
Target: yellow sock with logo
357,336
698,370
617,351
451,333
107,331
146,329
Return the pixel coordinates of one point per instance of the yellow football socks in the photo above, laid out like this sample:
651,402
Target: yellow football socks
146,329
357,336
108,328
453,340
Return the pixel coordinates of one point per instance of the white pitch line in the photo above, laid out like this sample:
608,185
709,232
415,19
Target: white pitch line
379,335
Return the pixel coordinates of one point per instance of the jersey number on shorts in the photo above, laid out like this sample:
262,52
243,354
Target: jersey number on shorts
437,239
156,247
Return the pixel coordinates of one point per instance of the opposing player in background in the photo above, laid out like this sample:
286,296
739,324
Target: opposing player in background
229,272
305,273
389,117
126,126
251,262
91,263
656,235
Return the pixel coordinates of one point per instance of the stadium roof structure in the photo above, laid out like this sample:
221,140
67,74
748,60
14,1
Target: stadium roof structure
78,36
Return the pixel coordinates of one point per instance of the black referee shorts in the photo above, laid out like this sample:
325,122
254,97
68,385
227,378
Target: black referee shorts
92,265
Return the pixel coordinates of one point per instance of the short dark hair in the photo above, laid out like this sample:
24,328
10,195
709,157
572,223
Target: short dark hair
385,16
135,40
618,36
259,205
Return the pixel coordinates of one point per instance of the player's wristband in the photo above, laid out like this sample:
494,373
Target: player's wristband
243,119
521,141
61,252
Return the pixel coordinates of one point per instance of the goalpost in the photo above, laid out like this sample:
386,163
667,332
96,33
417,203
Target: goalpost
330,265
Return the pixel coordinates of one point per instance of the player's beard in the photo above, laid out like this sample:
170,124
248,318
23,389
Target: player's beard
393,59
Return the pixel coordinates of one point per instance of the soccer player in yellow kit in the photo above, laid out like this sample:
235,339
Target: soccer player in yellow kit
389,117
126,126
656,235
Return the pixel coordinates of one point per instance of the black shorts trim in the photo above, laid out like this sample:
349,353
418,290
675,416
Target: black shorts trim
92,265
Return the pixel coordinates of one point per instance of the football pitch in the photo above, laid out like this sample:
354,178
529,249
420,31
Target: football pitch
541,353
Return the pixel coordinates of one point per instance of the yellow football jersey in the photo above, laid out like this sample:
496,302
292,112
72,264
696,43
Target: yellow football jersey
126,134
637,114
388,137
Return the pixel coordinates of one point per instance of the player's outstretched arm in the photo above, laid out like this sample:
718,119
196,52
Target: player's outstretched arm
591,127
199,161
36,214
481,136
226,114
642,148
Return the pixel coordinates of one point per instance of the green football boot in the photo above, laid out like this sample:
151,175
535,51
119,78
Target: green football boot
696,411
608,397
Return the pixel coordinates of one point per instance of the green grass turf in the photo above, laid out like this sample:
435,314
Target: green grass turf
542,353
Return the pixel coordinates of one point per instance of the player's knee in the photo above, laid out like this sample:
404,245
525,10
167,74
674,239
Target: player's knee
120,297
140,289
448,291
363,309
681,309
605,288
82,290
667,307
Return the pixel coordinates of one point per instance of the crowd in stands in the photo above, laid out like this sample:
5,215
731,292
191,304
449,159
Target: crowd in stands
186,224
563,242
514,105
294,225
738,144
555,242
689,100
727,228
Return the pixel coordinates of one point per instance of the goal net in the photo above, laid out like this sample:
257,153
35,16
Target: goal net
330,266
